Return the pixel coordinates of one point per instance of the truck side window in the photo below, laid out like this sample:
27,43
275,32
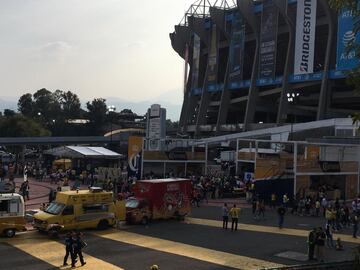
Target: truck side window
93,208
69,210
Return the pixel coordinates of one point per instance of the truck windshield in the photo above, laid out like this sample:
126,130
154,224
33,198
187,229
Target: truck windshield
132,204
54,208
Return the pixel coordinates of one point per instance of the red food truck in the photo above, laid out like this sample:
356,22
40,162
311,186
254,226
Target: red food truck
159,199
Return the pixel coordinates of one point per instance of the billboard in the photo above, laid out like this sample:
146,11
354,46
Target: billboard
155,128
305,36
195,62
135,145
268,40
236,48
213,55
346,58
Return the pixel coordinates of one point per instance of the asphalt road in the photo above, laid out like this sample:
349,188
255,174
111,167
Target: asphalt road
176,245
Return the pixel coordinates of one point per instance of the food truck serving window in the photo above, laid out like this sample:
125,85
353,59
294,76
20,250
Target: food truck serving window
54,208
4,206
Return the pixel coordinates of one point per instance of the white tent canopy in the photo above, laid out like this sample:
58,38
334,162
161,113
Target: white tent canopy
83,152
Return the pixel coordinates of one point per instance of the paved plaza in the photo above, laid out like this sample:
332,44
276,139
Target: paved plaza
198,242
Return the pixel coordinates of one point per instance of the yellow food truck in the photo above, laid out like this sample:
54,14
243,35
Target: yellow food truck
12,214
81,209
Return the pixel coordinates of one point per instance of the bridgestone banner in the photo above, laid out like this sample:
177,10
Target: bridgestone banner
195,62
305,36
213,56
236,48
268,40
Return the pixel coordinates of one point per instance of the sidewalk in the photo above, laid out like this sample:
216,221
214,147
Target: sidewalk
241,202
38,192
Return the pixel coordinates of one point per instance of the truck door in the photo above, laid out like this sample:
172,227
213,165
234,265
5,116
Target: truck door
68,217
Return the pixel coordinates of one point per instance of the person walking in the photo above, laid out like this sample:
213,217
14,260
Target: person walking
24,189
281,213
311,244
329,236
261,209
317,208
355,221
234,214
225,213
68,248
273,200
254,204
320,243
285,200
78,245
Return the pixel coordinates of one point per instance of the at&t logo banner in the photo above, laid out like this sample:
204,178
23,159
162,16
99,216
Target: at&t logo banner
346,59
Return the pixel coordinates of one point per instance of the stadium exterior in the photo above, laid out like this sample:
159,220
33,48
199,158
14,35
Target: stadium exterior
258,64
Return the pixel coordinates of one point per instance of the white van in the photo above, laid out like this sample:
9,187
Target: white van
12,214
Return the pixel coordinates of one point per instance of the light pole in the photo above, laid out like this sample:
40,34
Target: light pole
110,110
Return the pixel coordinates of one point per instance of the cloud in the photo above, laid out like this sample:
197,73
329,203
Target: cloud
55,51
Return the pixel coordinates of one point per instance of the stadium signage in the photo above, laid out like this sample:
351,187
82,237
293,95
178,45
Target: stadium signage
236,48
305,36
346,58
268,41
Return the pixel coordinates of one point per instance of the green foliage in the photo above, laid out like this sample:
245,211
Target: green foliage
26,105
97,110
9,113
21,126
341,4
51,111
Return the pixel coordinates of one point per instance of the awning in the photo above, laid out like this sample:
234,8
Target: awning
83,152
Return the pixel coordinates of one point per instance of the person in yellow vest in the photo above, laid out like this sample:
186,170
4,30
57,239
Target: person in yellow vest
234,214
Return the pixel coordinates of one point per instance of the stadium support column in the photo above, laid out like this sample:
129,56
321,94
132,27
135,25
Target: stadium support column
282,5
246,8
204,104
325,80
197,26
224,103
180,40
218,16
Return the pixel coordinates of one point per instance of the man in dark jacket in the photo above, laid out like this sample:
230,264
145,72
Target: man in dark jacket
78,244
68,248
281,213
311,244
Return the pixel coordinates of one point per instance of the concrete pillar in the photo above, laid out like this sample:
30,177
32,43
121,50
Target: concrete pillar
324,84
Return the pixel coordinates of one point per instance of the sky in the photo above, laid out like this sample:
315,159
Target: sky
94,48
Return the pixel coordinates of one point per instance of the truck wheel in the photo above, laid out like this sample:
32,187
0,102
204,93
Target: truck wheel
179,217
144,220
103,224
54,233
10,233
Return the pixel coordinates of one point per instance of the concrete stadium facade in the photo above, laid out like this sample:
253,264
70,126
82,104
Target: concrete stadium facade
242,58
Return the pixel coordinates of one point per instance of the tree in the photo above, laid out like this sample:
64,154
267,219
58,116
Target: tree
26,105
97,110
21,126
9,113
46,105
70,104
